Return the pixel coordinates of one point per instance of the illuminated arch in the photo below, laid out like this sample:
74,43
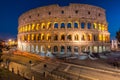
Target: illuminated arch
33,27
69,37
55,37
103,27
28,37
49,25
89,37
42,36
37,26
76,37
43,26
94,26
83,37
55,49
32,36
48,37
99,26
100,37
62,37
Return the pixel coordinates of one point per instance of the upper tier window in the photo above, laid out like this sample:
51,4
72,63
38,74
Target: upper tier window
69,25
62,12
76,11
56,25
62,25
49,13
89,12
82,25
89,25
75,25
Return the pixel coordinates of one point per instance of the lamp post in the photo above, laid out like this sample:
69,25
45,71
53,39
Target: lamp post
45,66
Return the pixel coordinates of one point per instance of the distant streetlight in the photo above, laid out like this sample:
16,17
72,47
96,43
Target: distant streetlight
10,40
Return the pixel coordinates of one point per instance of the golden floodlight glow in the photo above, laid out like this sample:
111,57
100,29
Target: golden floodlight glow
69,33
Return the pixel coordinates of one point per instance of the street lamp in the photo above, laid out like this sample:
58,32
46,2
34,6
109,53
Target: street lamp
45,66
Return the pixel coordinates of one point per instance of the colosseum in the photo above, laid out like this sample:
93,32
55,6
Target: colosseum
72,29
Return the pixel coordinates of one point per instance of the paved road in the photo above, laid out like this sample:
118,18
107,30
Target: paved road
77,70
92,73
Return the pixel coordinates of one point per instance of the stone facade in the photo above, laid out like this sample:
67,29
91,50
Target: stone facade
69,29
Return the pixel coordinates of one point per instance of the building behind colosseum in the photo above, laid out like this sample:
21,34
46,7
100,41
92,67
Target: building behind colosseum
72,29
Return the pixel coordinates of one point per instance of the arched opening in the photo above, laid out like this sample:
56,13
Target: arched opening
69,37
89,25
83,37
82,25
55,49
33,37
102,27
26,28
56,25
49,25
43,26
56,37
48,37
28,37
69,25
75,25
88,37
33,27
62,49
36,49
100,49
25,37
95,49
107,38
39,36
94,26
104,49
83,49
62,25
37,26
36,37
42,36
29,27
69,49
62,37
32,48
99,27
48,49
95,37
100,37
76,37
43,49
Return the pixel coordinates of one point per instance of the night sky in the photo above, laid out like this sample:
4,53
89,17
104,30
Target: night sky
10,10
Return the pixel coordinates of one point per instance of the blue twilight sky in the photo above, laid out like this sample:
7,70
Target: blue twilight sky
10,10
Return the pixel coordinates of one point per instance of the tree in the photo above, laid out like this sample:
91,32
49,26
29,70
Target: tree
118,35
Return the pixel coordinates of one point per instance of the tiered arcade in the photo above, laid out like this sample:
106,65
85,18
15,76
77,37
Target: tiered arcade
69,29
